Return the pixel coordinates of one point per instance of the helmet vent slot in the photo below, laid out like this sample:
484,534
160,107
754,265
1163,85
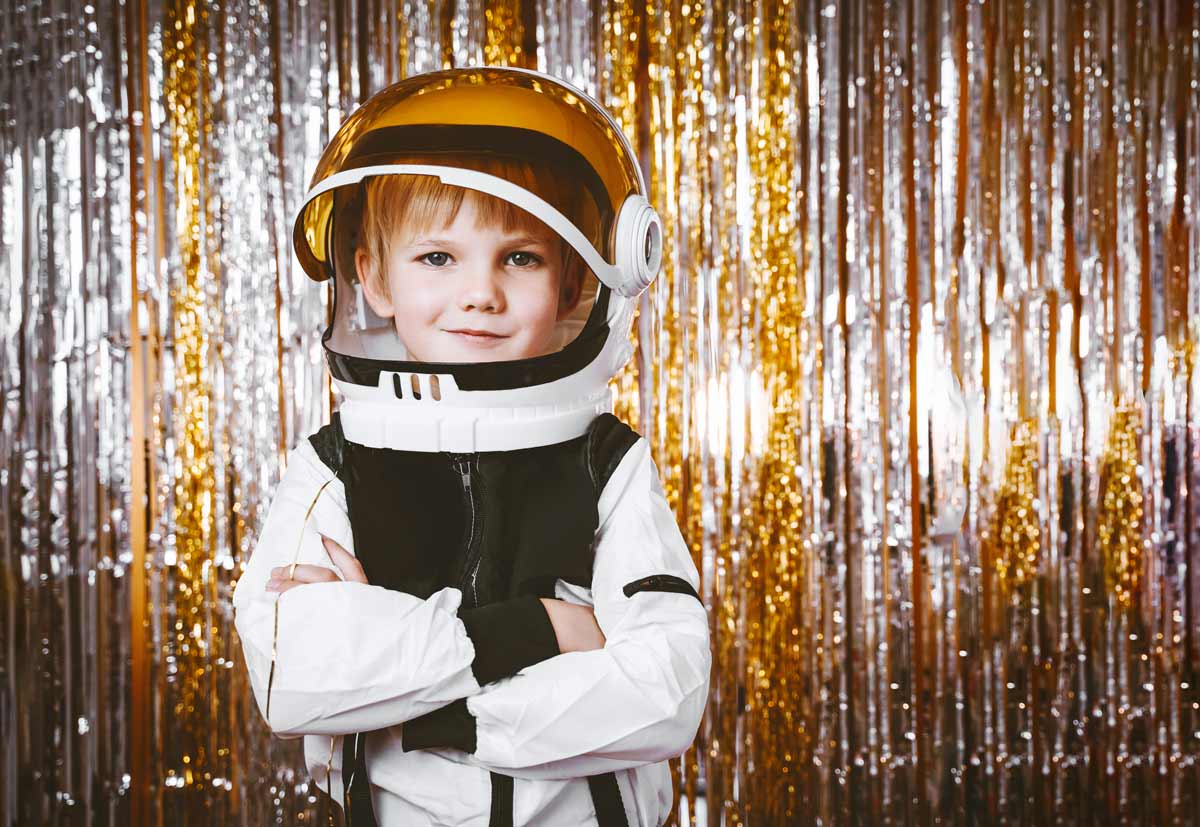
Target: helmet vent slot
417,385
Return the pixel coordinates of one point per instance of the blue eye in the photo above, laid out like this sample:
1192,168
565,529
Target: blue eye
442,262
530,258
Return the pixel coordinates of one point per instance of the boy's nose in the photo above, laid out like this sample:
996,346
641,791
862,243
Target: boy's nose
481,291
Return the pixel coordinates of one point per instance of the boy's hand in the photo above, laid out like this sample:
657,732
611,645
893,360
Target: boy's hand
287,577
574,625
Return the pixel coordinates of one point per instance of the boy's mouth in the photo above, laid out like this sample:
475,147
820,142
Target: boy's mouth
476,335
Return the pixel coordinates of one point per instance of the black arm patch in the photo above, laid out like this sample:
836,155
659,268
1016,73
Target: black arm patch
447,727
508,635
660,583
608,440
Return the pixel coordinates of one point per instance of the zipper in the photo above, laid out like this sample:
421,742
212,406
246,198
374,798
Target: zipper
470,573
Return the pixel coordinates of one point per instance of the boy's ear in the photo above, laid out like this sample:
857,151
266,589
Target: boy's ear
371,281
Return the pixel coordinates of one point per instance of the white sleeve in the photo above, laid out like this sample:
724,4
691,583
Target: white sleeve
336,658
640,698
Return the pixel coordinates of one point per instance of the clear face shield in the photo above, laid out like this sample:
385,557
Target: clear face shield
441,274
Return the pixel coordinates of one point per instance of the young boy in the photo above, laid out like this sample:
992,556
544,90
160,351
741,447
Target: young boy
469,594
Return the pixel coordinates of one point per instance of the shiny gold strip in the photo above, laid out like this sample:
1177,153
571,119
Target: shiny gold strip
1121,507
142,178
1015,538
920,622
189,640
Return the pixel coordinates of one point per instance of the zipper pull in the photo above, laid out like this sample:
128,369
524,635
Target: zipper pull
463,464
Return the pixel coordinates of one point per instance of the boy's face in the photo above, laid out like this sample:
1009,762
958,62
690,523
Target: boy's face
471,294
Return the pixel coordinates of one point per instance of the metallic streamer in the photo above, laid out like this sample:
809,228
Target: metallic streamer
926,264
1120,514
506,35
1015,537
65,373
190,549
617,77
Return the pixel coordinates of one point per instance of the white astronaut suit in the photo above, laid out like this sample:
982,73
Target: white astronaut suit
469,491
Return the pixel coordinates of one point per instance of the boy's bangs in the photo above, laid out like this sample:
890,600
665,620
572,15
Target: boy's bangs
407,206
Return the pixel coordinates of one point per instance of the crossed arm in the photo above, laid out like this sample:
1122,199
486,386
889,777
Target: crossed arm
574,626
634,697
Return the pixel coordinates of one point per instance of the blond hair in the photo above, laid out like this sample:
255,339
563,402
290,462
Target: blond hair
394,207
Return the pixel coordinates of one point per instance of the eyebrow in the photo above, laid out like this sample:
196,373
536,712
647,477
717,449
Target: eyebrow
445,242
527,239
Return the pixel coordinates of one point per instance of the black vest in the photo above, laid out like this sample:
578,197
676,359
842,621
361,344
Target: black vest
495,524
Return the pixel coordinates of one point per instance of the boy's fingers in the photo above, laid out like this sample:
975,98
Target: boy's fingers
304,573
346,562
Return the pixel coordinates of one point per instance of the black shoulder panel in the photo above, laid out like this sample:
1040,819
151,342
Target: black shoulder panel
329,443
608,440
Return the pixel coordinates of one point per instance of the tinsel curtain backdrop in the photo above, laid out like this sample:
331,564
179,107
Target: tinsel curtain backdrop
920,375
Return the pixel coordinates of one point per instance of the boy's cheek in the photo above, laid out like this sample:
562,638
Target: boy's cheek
413,326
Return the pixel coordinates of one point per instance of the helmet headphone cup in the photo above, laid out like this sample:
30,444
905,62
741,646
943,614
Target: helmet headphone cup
638,245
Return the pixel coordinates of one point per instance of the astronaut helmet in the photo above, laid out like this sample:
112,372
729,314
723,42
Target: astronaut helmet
488,233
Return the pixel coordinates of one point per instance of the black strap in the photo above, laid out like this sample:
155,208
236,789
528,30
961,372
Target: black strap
609,439
329,443
360,810
606,798
502,801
